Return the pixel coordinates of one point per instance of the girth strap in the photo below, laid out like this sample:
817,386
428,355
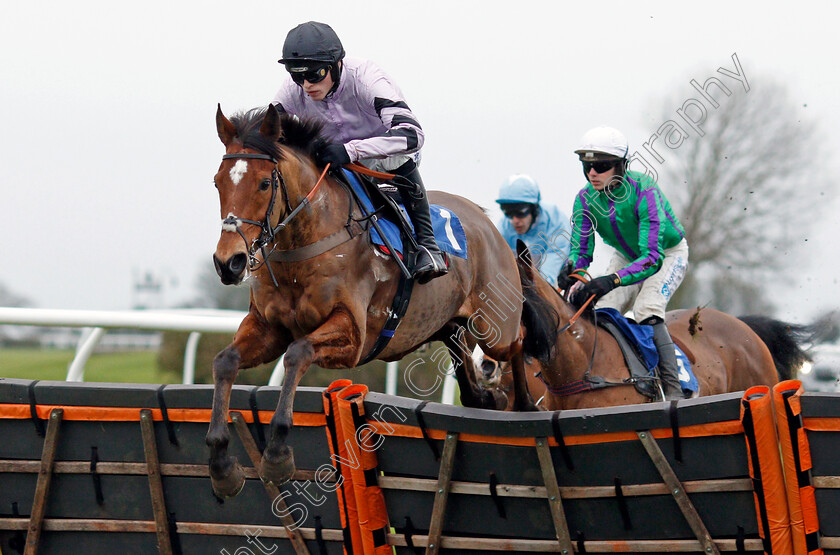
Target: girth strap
398,310
579,386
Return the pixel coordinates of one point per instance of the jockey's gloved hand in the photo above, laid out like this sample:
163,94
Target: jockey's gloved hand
565,279
599,287
334,154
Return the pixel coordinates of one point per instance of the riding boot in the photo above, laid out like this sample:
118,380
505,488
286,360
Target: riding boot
429,262
669,370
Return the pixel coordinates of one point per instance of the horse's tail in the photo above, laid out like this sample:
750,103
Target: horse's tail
541,323
785,341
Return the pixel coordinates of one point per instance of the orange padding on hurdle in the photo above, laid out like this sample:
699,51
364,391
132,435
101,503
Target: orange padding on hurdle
727,428
827,424
370,501
802,502
346,495
132,414
759,403
797,524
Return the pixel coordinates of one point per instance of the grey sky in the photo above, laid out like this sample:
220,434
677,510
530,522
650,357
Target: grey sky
109,144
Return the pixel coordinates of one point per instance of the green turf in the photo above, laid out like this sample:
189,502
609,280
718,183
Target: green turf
37,364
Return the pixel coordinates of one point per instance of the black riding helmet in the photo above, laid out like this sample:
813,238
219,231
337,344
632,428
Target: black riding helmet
313,42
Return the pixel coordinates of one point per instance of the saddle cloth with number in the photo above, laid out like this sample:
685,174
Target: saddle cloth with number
641,339
449,233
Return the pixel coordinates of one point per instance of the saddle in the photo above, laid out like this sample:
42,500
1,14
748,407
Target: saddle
381,202
642,379
641,355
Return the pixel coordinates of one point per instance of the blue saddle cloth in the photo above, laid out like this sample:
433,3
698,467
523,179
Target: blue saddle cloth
449,233
642,338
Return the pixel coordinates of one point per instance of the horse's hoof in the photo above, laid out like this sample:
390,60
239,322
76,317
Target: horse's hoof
526,407
277,470
493,399
229,485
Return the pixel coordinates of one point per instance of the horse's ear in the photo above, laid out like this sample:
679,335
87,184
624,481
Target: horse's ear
523,260
271,128
225,129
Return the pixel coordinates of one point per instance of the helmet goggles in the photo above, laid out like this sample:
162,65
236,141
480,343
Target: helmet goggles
599,167
516,210
314,73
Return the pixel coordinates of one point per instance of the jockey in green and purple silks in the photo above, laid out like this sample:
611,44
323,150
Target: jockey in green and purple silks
630,213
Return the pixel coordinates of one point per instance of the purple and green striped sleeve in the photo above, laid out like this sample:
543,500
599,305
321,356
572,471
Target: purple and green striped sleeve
651,253
583,233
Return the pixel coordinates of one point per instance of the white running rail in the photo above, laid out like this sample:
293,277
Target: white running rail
95,322
196,321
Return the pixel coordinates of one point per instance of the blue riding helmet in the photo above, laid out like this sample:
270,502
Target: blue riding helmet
519,188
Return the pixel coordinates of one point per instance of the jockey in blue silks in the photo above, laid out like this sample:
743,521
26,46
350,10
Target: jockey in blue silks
543,227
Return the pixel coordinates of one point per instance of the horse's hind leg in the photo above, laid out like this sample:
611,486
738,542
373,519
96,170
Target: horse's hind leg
332,345
253,345
472,394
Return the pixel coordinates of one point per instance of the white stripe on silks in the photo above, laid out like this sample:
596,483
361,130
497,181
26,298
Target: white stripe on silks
237,172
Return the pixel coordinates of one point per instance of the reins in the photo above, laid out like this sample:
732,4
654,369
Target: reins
588,382
307,200
358,168
580,275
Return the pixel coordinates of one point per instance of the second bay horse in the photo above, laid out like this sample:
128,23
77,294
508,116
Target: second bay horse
727,353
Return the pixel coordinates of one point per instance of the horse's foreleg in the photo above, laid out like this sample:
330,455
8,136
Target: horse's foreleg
225,472
278,464
333,344
522,400
472,394
253,345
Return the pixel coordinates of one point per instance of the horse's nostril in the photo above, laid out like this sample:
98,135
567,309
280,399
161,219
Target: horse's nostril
237,263
488,368
218,265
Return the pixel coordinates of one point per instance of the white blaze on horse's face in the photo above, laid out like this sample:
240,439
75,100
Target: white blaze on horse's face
237,172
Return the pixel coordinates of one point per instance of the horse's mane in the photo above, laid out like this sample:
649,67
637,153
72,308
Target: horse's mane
303,135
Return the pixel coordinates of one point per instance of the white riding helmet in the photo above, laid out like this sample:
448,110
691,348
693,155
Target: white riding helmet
601,143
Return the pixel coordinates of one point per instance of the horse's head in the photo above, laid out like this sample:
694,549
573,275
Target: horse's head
255,181
529,276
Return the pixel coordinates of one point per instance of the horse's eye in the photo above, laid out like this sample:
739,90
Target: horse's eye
265,184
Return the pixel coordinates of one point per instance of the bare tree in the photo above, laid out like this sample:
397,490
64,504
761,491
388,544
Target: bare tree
12,299
747,192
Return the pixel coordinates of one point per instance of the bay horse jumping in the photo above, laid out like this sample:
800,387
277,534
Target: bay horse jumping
727,353
321,294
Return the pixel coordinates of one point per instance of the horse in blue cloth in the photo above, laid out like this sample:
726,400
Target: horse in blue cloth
322,294
588,369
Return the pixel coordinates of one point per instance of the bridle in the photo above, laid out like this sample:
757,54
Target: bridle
267,231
